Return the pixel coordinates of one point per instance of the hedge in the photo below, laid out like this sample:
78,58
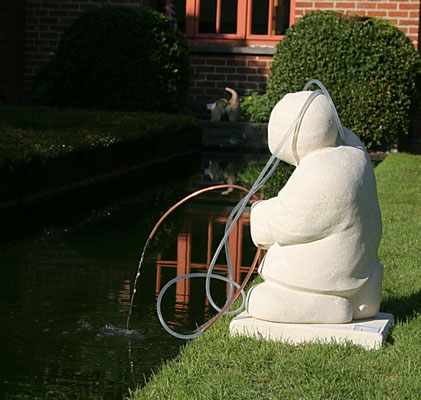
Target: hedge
29,134
370,68
118,58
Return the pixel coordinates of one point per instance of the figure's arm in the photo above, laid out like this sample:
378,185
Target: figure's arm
305,210
259,226
272,222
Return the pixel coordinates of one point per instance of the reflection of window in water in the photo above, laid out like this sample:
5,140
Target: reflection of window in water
248,248
197,241
205,237
217,235
199,229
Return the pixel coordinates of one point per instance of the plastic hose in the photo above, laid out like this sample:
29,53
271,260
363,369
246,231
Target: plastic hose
232,220
235,214
332,105
155,228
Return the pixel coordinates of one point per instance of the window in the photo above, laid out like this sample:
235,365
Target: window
241,21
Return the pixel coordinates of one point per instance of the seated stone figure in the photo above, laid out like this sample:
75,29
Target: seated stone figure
323,230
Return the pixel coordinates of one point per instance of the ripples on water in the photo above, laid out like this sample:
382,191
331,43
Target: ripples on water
61,334
65,294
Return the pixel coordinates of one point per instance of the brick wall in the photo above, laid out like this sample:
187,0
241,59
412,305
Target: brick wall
213,72
45,21
403,13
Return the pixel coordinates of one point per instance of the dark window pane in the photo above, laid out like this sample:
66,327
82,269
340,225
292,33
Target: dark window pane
260,17
156,5
280,16
180,14
207,18
228,16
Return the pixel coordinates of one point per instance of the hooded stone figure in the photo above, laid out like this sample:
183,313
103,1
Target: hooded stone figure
323,230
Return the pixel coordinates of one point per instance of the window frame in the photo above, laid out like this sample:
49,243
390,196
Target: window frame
244,20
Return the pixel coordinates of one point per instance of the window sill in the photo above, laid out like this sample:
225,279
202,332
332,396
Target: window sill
207,47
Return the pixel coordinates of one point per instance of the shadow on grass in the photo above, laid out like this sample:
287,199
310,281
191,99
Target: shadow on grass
404,307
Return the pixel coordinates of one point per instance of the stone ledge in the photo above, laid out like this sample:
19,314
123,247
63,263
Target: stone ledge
368,333
246,50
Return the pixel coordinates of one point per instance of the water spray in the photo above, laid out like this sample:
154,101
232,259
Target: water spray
161,220
235,214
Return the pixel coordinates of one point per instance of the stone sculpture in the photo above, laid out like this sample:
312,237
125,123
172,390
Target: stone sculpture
233,107
231,110
218,110
323,230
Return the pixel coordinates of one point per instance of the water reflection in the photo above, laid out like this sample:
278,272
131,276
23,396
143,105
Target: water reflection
223,172
61,333
65,292
197,240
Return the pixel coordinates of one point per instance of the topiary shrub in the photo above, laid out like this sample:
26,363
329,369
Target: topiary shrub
369,67
118,57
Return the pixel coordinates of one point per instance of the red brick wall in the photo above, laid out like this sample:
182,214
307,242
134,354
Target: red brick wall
403,13
45,21
212,73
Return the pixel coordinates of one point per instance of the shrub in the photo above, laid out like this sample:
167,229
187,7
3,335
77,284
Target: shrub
39,134
118,57
255,107
370,68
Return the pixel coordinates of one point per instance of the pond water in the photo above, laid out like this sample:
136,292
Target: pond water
66,273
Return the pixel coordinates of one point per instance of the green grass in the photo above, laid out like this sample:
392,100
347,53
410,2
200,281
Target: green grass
216,366
41,133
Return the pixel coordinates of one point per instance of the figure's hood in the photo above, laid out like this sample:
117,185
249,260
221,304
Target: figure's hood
317,130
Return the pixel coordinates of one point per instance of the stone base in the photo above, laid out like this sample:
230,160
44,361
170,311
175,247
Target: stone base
369,333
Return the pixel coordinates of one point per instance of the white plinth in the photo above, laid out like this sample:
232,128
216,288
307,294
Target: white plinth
369,333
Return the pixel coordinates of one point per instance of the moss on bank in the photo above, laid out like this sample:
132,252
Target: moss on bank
216,366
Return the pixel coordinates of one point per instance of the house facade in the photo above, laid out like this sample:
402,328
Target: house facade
232,41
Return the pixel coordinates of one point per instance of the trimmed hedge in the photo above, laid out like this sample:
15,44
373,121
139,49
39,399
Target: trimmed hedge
120,58
371,69
29,134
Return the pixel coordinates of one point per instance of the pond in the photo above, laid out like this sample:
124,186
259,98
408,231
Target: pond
66,274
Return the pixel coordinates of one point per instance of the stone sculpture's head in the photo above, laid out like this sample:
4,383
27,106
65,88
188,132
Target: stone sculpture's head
316,131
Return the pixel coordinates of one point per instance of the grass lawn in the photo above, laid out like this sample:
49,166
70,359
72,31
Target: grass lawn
216,366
